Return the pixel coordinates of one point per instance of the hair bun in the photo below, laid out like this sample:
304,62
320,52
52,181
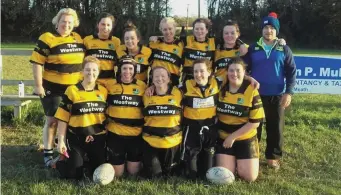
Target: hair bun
129,24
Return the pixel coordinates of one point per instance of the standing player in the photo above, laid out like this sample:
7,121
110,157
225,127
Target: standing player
167,50
57,63
102,45
140,53
273,66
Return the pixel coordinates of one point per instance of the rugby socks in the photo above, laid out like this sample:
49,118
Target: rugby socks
48,156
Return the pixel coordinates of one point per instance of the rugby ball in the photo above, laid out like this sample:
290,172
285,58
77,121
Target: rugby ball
220,175
104,174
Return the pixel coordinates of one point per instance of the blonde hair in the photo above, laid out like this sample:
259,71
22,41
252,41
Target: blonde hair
66,11
168,20
89,59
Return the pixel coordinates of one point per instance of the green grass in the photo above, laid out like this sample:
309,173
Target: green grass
311,162
317,52
22,46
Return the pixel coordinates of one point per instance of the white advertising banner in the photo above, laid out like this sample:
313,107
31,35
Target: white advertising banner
320,75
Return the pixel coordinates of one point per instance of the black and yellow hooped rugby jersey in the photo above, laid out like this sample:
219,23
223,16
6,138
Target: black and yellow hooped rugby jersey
82,110
104,50
143,59
234,110
222,58
200,103
125,107
195,50
168,55
162,116
62,59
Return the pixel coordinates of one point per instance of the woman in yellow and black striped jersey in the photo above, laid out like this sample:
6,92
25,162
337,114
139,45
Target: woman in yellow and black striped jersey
57,63
81,131
167,50
161,132
132,47
239,112
125,118
102,45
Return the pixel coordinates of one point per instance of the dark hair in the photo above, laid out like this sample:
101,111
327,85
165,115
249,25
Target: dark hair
129,26
206,21
106,15
201,60
229,22
236,60
126,59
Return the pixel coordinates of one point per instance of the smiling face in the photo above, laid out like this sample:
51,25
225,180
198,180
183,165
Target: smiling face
160,78
90,72
269,33
200,31
230,35
131,40
235,74
127,73
168,30
104,27
65,25
201,73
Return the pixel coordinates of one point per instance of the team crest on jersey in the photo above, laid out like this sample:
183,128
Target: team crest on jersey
176,51
211,91
111,46
237,53
240,101
46,51
207,47
171,101
136,91
99,97
140,60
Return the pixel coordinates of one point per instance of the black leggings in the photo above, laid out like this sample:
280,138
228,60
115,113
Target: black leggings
79,151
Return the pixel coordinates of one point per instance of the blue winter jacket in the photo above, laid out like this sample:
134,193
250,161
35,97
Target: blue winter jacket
275,72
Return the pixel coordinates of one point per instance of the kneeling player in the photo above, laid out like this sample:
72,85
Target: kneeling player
239,113
80,123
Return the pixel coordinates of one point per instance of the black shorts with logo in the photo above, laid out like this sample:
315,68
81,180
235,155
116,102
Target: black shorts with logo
243,149
50,104
124,148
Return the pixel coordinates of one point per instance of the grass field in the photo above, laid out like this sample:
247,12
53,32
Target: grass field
311,163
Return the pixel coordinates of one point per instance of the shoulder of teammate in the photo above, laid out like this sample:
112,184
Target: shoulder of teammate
109,83
116,41
77,37
103,90
141,84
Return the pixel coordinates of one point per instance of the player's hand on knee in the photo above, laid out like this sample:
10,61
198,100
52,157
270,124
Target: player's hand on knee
228,142
61,147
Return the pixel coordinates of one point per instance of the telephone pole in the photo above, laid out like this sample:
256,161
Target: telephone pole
198,8
187,18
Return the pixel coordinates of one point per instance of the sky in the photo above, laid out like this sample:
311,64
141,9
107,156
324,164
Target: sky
179,7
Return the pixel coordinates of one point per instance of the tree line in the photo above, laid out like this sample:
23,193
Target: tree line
304,23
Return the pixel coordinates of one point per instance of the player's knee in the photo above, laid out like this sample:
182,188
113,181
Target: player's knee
119,170
248,176
51,122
